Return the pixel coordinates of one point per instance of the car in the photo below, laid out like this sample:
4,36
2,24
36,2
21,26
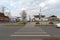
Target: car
58,25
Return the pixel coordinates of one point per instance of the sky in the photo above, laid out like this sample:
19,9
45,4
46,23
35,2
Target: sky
32,7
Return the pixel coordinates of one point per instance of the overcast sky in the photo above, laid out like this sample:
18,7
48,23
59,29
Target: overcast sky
32,7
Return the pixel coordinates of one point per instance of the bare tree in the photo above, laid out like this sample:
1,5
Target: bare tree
24,15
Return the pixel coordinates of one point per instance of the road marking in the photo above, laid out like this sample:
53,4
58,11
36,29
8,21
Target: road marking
29,32
29,35
56,35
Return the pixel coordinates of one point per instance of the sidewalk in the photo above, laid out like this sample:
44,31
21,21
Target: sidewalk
30,25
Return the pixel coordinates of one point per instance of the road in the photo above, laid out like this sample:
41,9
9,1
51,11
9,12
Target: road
31,32
5,32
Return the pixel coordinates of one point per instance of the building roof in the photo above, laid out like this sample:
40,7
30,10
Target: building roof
42,15
39,16
53,16
1,14
36,16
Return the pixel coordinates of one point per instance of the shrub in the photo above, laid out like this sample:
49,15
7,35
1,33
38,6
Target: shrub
37,23
51,23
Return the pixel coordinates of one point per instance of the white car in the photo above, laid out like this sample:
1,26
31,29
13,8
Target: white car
58,25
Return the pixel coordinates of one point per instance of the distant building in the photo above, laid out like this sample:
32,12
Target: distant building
39,18
3,18
53,18
35,18
14,19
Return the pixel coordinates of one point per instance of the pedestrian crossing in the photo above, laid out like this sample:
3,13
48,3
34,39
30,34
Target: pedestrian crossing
29,32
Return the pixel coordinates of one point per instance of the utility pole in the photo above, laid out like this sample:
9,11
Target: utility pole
40,13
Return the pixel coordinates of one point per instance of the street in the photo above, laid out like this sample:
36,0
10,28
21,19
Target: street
29,32
5,32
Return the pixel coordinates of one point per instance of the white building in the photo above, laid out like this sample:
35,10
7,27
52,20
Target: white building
40,18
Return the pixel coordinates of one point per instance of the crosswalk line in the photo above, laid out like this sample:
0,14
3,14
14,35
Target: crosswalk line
29,35
29,32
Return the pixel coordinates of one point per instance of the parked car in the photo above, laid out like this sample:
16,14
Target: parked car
58,25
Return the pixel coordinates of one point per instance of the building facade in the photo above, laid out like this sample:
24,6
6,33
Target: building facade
53,18
3,18
39,18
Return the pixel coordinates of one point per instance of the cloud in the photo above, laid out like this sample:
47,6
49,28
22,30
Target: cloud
32,6
42,4
23,9
13,4
52,1
48,2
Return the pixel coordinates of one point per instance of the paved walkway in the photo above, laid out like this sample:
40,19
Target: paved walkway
30,25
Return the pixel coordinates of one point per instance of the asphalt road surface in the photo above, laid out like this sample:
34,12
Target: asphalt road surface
28,33
7,33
